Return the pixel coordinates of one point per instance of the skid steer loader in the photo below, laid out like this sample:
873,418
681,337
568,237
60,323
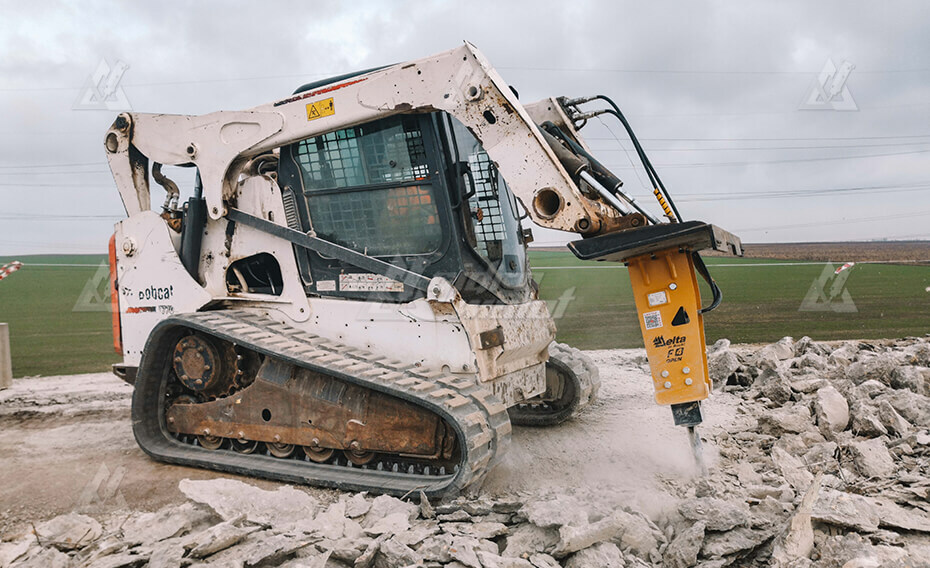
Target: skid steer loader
345,299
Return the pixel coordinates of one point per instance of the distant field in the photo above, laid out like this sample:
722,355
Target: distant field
761,301
892,251
592,303
47,336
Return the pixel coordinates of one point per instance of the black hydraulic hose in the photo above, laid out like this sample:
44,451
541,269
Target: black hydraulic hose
194,221
647,164
705,274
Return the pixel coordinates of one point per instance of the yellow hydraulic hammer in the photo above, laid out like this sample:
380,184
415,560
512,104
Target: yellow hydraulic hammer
663,266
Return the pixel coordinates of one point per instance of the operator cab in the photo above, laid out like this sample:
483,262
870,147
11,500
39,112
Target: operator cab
415,190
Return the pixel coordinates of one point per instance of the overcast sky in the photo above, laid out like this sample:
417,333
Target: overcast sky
712,89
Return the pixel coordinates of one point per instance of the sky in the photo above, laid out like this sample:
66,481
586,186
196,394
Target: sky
712,89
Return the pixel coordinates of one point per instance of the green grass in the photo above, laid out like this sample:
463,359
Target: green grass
760,303
594,307
46,335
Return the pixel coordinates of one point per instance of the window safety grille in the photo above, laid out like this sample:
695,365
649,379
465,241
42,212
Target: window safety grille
394,219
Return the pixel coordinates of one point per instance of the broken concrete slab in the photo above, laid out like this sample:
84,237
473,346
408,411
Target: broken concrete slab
831,411
11,551
491,560
792,469
457,515
357,505
347,549
795,418
394,523
68,532
602,555
480,530
367,558
683,551
893,422
915,408
231,498
796,544
721,363
638,534
864,421
465,550
528,538
171,521
773,385
166,556
871,458
384,505
912,378
437,548
574,538
393,554
892,515
561,510
718,514
218,537
49,558
720,544
426,510
542,560
846,510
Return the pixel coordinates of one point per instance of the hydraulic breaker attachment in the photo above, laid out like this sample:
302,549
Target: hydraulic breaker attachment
663,265
667,298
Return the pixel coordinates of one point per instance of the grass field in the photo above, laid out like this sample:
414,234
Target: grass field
592,303
47,335
761,301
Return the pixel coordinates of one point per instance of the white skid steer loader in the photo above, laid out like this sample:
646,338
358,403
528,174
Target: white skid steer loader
346,301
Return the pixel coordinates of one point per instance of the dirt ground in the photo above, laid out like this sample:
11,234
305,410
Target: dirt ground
67,445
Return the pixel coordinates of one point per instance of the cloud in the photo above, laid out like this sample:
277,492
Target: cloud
703,84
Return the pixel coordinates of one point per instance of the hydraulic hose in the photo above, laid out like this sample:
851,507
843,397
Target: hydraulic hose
659,188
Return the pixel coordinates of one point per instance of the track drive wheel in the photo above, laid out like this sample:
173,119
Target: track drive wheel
572,381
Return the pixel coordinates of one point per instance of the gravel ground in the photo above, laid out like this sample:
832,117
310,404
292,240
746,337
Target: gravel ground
818,456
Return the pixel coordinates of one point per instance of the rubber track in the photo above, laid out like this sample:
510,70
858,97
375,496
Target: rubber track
587,381
478,418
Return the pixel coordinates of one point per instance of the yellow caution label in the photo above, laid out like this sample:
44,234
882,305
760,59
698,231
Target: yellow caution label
319,109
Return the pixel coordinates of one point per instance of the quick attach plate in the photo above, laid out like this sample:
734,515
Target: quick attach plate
691,235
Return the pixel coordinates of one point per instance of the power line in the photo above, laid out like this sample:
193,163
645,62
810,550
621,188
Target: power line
888,137
56,217
785,161
755,148
812,73
708,71
53,165
843,222
738,195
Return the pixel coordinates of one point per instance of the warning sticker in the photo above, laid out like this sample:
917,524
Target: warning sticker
326,286
658,298
653,320
368,283
319,109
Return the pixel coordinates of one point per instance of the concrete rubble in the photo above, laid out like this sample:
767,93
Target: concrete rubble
827,465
